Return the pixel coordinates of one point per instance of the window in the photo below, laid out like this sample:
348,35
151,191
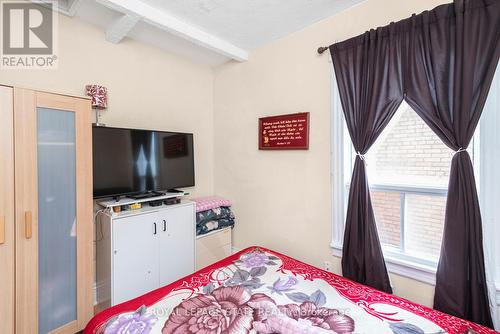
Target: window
408,170
408,188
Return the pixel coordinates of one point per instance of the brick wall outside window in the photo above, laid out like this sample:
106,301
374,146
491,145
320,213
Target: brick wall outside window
409,153
386,205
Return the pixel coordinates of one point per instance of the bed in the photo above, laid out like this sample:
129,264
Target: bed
258,290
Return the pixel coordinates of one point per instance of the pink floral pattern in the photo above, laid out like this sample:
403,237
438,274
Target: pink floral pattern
99,96
244,294
225,310
233,310
210,202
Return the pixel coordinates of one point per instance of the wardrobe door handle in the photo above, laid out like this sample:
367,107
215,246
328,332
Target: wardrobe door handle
154,224
2,230
164,225
28,225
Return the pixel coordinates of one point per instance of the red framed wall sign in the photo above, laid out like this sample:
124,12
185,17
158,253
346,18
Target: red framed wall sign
284,132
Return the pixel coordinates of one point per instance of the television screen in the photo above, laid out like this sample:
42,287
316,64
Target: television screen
130,161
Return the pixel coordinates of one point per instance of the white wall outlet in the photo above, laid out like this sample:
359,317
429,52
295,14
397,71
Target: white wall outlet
328,266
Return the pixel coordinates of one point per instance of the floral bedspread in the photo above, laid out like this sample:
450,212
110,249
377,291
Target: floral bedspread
214,219
261,291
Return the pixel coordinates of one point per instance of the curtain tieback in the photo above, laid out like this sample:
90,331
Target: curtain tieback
361,156
460,150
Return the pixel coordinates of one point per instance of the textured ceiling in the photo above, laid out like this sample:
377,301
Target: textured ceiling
250,24
205,31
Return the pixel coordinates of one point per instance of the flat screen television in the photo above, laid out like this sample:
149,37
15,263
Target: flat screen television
134,162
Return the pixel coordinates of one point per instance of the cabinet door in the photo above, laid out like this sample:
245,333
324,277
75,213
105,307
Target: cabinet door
6,211
53,192
177,249
135,256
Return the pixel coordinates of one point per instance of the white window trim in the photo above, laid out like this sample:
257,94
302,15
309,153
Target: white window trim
488,185
337,166
401,267
498,294
395,264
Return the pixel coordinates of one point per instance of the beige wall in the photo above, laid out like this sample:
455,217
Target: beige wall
282,198
148,88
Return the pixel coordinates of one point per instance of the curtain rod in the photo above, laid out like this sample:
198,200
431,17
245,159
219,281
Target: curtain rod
322,49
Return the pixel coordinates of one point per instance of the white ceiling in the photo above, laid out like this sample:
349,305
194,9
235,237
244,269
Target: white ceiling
205,31
249,24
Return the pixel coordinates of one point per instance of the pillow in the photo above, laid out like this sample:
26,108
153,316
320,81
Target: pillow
210,202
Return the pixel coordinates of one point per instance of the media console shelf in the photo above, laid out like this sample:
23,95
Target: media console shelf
126,201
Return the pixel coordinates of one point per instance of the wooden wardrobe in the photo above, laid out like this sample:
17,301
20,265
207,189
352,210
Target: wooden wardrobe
46,241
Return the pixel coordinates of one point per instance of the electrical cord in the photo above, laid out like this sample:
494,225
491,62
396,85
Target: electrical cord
97,221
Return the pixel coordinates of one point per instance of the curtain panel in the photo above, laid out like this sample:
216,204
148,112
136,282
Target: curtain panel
369,79
442,63
453,52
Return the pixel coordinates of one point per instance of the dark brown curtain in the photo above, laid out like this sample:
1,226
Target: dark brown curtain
368,71
453,52
442,62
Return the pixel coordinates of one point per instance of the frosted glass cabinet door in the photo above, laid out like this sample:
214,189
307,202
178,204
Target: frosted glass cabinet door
54,255
56,218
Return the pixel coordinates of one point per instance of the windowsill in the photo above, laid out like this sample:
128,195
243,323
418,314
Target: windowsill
415,271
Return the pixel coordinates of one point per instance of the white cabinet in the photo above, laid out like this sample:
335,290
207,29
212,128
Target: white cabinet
179,250
140,251
135,256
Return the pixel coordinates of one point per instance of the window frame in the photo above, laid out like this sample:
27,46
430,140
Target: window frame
396,252
392,253
487,187
397,262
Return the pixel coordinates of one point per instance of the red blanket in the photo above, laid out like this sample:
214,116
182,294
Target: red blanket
261,291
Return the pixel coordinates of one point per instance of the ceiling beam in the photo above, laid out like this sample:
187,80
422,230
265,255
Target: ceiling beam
173,25
120,28
65,7
73,6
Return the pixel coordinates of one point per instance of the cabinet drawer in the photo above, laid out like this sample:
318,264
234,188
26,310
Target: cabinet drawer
215,239
213,247
209,256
